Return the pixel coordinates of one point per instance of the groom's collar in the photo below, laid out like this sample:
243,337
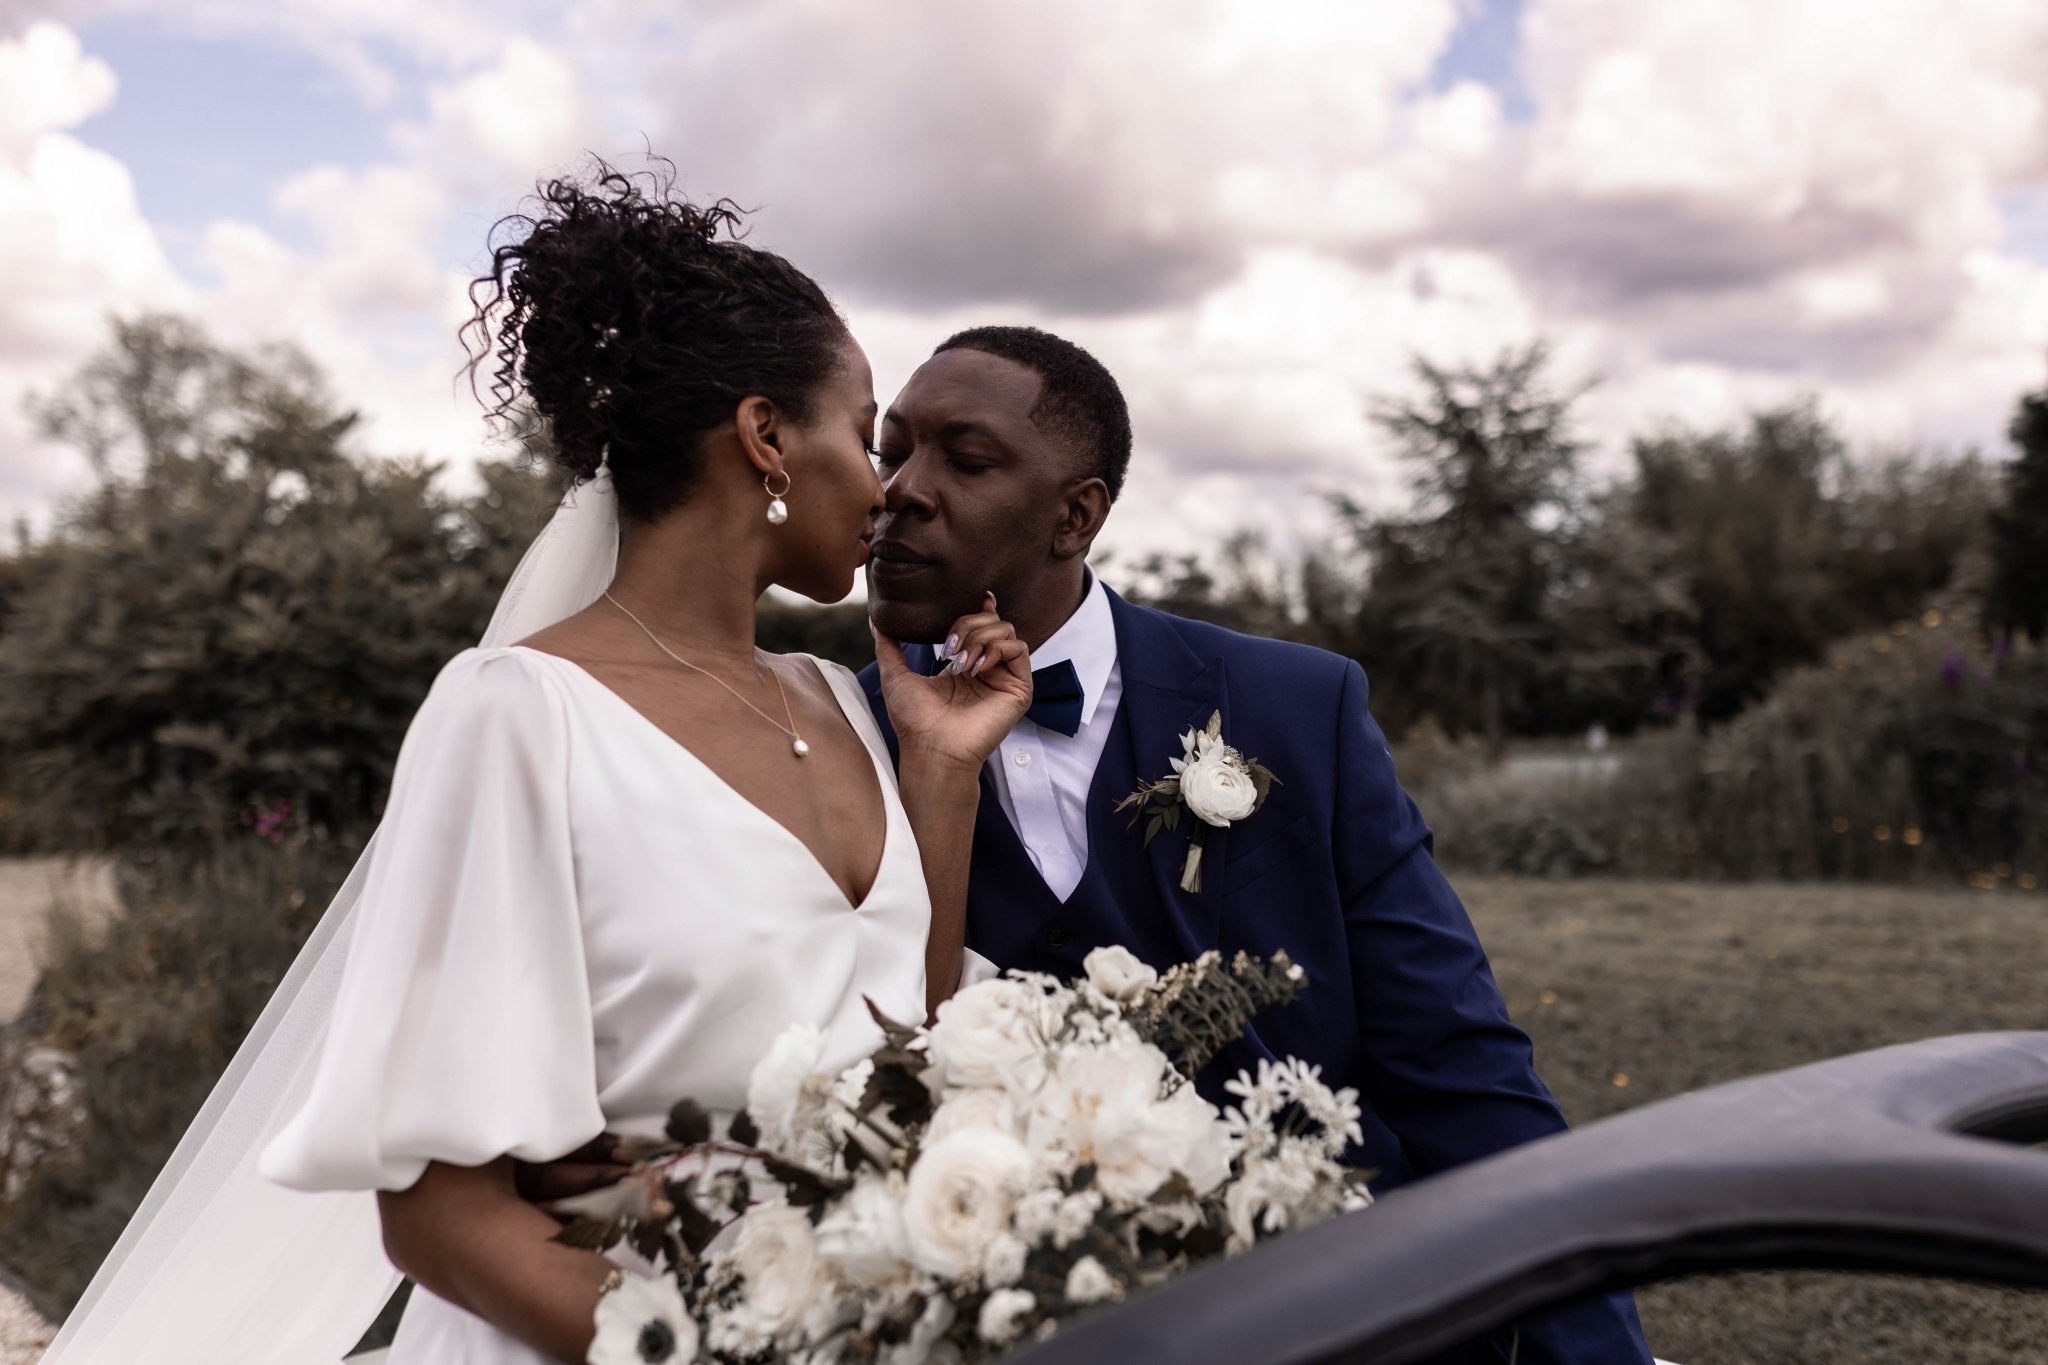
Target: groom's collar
1087,640
1151,651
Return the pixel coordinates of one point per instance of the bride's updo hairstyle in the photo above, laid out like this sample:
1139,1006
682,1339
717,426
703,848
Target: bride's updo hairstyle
634,322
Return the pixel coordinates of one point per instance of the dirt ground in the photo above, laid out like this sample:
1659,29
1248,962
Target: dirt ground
1636,991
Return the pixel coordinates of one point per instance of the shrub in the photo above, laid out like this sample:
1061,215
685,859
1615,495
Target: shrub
1916,753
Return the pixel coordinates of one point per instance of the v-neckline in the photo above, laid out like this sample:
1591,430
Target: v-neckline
811,854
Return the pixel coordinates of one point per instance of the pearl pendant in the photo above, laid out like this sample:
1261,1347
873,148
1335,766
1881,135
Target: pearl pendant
778,512
799,748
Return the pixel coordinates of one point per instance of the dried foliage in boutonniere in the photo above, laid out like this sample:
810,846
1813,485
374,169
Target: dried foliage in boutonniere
1211,781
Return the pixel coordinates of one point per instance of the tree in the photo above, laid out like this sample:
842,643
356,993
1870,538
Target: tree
239,621
1458,608
2018,599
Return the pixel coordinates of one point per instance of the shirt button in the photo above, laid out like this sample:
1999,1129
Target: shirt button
1056,937
1022,759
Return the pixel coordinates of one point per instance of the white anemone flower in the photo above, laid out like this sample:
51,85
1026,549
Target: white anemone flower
644,1322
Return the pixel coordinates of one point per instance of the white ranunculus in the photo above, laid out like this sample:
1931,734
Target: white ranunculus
862,1238
1003,1314
785,1283
958,1199
785,1087
1215,784
983,1108
1096,1109
1118,973
1089,1282
644,1322
991,1034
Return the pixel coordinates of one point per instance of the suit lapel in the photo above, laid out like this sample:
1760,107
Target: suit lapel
1168,690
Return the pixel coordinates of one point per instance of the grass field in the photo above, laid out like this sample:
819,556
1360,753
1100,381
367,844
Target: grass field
1634,991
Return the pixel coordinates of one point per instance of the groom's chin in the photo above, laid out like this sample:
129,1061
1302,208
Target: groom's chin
907,623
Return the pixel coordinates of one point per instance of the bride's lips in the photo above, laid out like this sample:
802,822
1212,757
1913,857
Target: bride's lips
887,559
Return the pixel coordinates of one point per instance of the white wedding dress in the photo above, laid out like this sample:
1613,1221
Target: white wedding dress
570,923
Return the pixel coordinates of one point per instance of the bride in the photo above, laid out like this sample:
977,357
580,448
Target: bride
623,847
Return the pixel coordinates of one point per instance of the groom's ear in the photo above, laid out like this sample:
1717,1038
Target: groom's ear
1082,513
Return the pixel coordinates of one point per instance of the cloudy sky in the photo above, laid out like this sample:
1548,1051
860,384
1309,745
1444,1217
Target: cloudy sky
1253,212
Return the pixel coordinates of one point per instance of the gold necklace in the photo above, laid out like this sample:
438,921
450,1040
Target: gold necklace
796,741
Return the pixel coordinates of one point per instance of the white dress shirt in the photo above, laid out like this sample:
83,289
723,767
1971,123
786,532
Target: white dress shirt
1041,776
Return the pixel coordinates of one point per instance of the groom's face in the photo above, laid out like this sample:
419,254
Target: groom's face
973,494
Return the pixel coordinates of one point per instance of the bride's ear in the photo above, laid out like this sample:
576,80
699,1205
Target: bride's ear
762,433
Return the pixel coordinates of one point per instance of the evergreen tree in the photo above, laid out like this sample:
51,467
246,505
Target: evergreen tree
1457,610
2018,599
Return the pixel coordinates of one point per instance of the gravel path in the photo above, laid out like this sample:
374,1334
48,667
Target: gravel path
23,1335
29,887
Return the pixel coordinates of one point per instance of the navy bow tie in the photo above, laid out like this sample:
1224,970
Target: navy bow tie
1056,696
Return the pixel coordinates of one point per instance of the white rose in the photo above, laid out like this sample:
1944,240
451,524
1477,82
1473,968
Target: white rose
1003,1314
777,1256
642,1322
1185,1134
1216,786
991,1034
862,1238
963,1109
1118,973
958,1198
1089,1282
784,1088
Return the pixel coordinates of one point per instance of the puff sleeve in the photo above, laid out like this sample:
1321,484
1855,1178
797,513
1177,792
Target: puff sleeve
462,1026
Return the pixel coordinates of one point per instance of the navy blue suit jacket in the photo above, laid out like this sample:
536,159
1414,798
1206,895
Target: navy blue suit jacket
1336,869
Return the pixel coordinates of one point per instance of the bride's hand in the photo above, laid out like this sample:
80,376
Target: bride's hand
964,711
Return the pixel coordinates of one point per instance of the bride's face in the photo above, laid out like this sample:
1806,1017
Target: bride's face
834,493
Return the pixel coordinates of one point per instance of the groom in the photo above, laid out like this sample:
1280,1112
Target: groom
1001,459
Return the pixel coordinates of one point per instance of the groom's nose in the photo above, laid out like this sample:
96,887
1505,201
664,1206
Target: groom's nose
908,488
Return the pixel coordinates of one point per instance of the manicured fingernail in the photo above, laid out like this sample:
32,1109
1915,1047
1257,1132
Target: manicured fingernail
952,644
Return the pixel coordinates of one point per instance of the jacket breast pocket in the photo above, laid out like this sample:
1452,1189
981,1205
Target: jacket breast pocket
1248,865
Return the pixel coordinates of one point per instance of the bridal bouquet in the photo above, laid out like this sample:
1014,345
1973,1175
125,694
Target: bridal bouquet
1037,1151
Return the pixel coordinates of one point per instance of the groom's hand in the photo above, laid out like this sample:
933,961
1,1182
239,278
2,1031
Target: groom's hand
959,715
592,1166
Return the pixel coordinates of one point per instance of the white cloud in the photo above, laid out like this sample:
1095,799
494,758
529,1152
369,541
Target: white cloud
73,247
1252,214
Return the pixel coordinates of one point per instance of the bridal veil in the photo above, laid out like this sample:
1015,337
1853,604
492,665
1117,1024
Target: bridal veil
219,1264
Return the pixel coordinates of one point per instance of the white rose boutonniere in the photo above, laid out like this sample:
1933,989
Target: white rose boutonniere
1211,781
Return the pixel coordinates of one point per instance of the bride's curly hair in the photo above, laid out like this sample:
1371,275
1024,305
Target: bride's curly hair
629,324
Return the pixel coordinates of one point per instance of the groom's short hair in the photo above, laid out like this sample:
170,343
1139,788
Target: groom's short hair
1079,401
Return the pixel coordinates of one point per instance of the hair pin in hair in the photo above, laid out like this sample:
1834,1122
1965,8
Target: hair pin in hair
602,395
606,336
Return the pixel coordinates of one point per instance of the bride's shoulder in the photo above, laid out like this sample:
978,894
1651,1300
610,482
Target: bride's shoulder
501,682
